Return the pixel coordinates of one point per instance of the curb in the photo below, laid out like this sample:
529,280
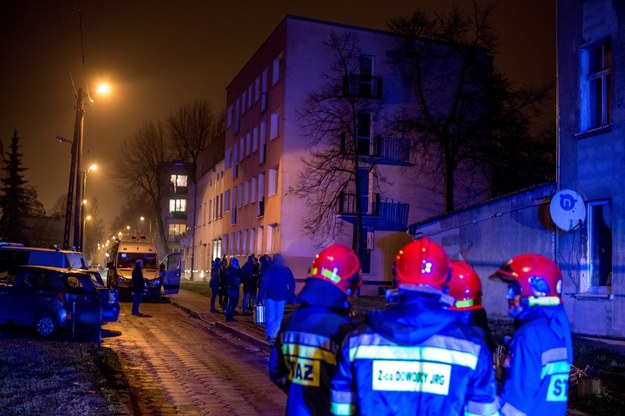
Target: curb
262,345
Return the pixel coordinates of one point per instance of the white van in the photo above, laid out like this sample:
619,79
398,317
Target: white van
122,260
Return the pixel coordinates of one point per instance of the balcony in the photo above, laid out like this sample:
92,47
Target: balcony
383,214
177,190
362,86
181,215
386,151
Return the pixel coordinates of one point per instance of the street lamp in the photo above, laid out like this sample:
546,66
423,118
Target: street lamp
142,219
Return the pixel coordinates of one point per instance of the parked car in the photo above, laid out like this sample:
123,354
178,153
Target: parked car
49,299
13,255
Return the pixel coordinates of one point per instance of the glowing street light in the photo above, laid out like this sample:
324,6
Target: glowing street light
103,88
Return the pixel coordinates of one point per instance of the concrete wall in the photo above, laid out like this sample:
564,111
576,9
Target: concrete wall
487,235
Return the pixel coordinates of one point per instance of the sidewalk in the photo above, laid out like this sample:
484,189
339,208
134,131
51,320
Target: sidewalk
244,326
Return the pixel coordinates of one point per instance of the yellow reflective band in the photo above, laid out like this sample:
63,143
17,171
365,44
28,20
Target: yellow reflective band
329,274
342,409
312,353
544,301
464,303
415,353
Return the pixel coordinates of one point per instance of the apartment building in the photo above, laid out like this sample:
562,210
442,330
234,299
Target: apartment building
252,192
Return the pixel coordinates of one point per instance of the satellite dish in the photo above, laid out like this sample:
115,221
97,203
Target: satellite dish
567,209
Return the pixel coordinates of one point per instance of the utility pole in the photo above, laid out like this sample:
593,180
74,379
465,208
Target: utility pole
76,175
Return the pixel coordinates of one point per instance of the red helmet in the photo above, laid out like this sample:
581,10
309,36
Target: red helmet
339,265
422,263
465,287
537,276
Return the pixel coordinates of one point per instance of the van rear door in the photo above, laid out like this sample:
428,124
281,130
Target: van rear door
171,273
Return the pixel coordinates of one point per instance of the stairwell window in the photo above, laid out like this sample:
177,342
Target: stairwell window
596,86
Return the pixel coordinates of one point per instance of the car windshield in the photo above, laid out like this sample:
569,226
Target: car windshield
76,261
127,260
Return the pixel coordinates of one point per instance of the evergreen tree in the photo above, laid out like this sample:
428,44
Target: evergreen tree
13,201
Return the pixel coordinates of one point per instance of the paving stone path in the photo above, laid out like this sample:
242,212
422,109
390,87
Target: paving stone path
179,365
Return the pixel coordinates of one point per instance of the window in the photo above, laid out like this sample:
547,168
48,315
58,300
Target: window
274,125
246,192
235,161
227,201
272,185
244,243
243,102
241,148
261,196
275,72
259,240
272,235
217,252
248,144
252,240
249,96
599,247
209,213
257,90
177,183
177,205
225,244
237,115
240,194
176,231
263,148
255,139
232,240
253,199
238,244
363,133
228,158
596,86
229,117
264,97
233,215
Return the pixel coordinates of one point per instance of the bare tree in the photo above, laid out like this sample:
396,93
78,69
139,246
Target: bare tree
138,169
465,112
59,208
192,129
330,119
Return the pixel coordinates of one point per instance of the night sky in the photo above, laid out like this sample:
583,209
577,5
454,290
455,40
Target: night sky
159,54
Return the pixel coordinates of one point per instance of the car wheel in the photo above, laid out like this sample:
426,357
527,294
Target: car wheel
45,325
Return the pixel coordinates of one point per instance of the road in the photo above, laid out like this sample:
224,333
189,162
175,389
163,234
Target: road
176,364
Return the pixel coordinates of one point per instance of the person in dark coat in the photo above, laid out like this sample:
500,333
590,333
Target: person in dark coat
223,285
276,289
250,283
264,265
214,282
137,287
316,329
233,278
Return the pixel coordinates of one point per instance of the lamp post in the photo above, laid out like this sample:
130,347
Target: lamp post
91,168
84,223
74,191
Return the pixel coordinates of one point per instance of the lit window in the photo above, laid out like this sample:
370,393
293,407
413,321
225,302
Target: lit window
596,86
177,205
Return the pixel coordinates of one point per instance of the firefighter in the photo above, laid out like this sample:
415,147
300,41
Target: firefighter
540,352
465,288
417,357
303,358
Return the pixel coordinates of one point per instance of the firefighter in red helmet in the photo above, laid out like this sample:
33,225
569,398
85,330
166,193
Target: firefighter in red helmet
417,357
465,288
303,359
540,353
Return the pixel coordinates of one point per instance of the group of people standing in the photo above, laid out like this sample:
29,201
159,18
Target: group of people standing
267,281
430,353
